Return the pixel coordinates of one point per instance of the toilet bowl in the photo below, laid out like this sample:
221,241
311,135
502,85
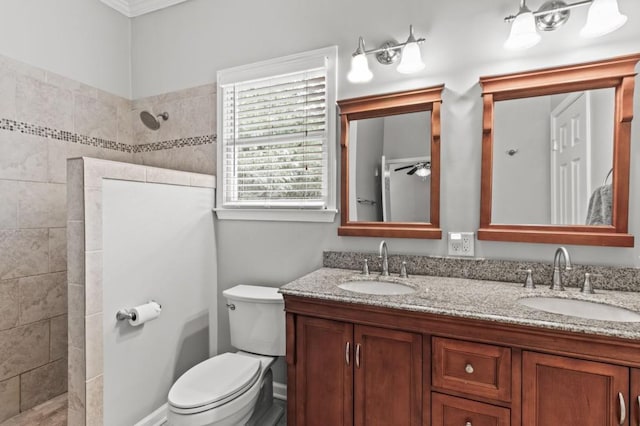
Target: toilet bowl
197,400
223,390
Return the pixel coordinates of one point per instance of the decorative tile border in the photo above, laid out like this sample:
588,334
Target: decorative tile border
84,253
63,135
175,143
613,278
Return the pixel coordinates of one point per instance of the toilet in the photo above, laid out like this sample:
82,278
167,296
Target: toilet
234,388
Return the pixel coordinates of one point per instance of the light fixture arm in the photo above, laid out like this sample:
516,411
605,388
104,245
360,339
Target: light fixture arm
385,48
538,13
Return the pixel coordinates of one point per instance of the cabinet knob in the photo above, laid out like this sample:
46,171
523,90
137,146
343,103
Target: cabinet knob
468,424
469,369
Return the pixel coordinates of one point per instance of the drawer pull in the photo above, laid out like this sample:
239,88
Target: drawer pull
469,369
623,408
639,409
468,424
347,353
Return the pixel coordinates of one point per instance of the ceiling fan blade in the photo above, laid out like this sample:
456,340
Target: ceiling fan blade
412,171
404,167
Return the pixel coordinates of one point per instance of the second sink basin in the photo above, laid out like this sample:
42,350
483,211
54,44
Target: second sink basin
581,308
377,287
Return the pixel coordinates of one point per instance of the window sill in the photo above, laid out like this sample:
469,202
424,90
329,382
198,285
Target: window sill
277,215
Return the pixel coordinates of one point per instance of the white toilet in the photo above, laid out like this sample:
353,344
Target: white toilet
224,390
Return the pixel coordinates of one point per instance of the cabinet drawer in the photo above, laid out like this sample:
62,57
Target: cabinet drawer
472,368
451,411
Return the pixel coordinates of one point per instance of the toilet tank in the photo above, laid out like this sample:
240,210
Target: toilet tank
256,319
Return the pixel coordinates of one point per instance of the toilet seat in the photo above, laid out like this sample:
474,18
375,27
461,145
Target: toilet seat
214,382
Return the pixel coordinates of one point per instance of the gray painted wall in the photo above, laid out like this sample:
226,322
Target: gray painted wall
602,112
522,182
80,39
407,135
185,45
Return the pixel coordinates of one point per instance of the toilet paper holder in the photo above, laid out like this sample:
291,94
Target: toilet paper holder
127,314
124,314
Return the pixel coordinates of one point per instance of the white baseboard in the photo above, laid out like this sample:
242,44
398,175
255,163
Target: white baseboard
157,418
280,391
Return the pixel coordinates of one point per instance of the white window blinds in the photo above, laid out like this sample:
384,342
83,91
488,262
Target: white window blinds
274,141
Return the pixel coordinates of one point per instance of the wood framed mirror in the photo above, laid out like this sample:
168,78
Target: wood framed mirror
555,154
390,171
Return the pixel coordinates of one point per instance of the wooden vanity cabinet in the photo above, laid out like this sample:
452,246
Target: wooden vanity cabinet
355,374
366,365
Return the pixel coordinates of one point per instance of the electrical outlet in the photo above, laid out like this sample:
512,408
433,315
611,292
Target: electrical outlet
461,243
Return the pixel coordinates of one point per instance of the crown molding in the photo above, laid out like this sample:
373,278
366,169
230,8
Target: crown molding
133,8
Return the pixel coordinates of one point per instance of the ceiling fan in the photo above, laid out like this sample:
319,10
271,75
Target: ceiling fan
421,168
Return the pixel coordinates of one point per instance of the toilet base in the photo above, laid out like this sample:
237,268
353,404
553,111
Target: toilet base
266,413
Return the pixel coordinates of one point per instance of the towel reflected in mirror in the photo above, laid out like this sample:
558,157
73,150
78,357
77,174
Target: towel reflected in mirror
600,206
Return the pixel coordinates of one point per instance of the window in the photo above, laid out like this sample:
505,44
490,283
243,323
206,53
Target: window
276,144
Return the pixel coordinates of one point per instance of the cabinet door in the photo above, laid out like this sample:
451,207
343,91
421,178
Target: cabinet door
388,377
565,391
634,398
324,378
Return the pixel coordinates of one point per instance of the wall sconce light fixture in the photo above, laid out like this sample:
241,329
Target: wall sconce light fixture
387,54
603,17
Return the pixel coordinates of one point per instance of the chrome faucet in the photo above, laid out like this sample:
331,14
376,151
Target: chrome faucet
383,256
556,282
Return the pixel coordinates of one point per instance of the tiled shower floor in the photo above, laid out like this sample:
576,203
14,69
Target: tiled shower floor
54,413
50,413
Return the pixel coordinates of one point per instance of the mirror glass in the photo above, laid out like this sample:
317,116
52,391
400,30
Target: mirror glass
390,168
553,159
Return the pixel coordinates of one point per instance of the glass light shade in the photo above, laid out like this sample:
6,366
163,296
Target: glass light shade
523,33
411,59
423,172
360,72
603,17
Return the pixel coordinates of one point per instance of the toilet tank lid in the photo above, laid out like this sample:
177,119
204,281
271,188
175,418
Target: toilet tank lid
254,293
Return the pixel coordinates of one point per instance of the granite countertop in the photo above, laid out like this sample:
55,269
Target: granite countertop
468,298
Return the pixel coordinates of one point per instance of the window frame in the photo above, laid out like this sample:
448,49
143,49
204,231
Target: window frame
272,68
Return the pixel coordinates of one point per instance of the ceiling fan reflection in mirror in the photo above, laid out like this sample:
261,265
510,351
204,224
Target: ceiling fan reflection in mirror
421,169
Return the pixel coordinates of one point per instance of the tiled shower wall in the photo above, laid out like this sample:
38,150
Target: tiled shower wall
186,141
45,119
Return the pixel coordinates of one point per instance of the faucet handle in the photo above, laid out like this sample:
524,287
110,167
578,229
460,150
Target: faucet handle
528,281
587,287
403,270
365,267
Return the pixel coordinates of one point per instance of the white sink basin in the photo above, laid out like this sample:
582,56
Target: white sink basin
581,308
377,287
